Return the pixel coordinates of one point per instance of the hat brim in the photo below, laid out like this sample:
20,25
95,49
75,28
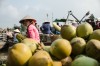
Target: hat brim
46,22
16,30
21,21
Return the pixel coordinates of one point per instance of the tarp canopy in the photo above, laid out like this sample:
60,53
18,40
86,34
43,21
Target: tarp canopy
61,20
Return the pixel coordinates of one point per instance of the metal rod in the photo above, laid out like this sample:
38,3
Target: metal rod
74,17
67,16
85,16
82,18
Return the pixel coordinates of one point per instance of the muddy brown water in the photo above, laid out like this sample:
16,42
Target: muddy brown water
3,54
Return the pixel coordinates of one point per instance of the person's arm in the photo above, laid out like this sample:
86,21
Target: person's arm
31,33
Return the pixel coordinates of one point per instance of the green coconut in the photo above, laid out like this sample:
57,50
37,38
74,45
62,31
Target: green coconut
78,45
95,34
40,58
85,61
47,48
93,49
57,63
60,48
66,61
78,56
84,30
18,55
31,43
68,32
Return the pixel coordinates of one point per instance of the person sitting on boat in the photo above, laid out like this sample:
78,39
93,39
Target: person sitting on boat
32,31
46,28
16,31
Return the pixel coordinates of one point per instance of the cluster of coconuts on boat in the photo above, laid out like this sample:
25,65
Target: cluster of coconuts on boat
75,46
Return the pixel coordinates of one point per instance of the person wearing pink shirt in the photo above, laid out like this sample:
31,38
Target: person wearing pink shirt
32,31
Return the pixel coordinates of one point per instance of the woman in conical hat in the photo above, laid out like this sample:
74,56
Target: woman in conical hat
32,31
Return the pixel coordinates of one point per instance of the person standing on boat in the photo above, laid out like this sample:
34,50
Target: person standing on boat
32,31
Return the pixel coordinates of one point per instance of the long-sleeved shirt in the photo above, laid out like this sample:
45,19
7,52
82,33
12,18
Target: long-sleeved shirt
33,33
46,28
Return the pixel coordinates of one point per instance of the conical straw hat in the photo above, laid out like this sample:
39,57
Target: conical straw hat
27,18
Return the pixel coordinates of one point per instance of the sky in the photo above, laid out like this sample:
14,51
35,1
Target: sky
12,11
